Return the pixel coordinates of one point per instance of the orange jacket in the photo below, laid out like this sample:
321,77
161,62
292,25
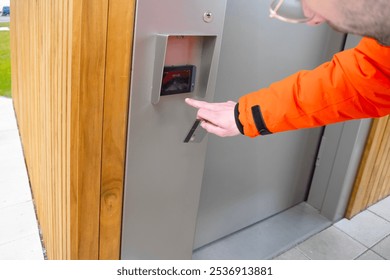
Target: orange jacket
354,84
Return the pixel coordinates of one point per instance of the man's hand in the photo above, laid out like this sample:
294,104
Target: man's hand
217,118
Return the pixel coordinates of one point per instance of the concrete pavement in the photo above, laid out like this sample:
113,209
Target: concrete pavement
19,234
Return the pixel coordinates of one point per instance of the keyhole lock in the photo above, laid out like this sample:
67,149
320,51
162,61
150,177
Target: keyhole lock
208,17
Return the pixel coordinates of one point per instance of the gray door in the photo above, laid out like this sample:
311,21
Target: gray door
248,180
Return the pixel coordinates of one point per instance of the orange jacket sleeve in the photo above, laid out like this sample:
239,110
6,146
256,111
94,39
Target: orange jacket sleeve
354,84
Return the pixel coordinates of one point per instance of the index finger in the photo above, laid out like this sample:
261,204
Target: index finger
195,103
202,104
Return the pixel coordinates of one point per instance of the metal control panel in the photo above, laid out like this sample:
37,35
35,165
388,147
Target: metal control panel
176,55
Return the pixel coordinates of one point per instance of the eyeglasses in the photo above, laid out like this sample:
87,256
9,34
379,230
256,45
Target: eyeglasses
289,11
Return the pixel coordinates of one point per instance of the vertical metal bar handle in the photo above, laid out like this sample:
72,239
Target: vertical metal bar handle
159,60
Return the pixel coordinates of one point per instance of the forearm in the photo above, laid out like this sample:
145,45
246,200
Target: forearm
351,86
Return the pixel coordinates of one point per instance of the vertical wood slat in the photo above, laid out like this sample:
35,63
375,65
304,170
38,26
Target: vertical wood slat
116,99
90,96
73,127
372,181
70,79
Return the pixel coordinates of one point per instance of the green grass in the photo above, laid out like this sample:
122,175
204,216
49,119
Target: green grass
5,62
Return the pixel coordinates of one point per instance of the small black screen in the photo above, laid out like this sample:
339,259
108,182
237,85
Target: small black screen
178,79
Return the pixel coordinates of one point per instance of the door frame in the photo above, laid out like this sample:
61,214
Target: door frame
337,164
338,161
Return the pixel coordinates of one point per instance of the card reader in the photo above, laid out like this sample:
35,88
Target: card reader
196,134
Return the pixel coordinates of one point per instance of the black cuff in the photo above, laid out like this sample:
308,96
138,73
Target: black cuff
238,123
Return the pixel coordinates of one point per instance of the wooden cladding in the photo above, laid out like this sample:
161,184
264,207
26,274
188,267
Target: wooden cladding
373,180
40,88
70,83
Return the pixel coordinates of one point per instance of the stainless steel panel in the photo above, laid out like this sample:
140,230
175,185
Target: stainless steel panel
164,174
248,180
267,238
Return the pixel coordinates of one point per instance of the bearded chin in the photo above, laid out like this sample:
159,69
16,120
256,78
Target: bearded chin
339,29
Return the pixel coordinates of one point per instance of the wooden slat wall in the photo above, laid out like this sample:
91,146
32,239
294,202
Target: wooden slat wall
70,83
40,89
373,180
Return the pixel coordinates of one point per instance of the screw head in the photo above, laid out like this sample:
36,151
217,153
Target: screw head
208,17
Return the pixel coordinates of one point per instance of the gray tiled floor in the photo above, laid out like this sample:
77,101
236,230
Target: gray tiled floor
365,237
